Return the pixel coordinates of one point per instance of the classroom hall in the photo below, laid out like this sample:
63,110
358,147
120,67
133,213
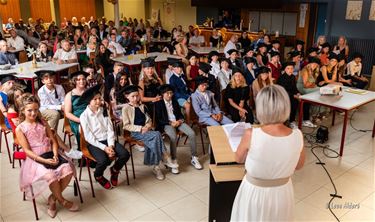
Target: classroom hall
187,110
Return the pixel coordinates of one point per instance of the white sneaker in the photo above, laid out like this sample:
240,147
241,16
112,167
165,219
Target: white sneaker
293,125
169,163
139,148
74,154
175,170
158,174
308,123
195,163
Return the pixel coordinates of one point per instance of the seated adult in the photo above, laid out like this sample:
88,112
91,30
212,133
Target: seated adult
182,49
5,56
196,39
15,42
262,57
103,58
215,39
51,98
111,48
44,54
263,79
328,73
205,105
324,53
72,107
113,44
237,97
169,119
65,54
354,69
231,44
244,40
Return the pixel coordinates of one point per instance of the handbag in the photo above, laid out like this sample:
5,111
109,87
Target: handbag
49,155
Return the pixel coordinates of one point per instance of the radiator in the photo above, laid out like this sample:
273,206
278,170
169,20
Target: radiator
364,46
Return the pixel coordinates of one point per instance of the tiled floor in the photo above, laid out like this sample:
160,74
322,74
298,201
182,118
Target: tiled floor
184,197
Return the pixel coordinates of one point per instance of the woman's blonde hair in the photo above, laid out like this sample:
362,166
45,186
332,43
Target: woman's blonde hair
25,100
272,105
233,83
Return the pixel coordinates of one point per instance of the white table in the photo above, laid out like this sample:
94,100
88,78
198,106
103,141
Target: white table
135,60
345,103
25,71
203,51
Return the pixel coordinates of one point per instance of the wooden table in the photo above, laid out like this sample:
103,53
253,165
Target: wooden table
345,103
204,51
135,60
225,175
26,72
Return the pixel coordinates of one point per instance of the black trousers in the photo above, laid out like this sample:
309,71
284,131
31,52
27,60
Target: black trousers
294,107
103,161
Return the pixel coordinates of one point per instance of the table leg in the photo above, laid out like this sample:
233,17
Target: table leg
333,117
343,132
32,86
300,115
373,130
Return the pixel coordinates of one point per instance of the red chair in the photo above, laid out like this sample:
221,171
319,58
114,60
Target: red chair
19,155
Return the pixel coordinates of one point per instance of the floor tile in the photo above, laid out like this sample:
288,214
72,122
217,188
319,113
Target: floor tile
187,209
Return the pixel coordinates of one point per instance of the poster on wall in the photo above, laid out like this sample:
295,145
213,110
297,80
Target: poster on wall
354,10
372,11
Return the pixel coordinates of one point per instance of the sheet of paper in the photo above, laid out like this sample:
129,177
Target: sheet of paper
234,133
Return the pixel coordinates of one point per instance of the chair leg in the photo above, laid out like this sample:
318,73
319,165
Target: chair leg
7,144
77,188
178,140
185,140
127,174
131,158
88,169
70,142
201,132
64,137
34,204
80,168
13,161
1,137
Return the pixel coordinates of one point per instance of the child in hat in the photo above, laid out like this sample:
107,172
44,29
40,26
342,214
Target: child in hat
100,136
136,120
169,119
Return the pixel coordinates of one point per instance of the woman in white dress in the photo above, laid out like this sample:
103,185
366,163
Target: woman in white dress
271,154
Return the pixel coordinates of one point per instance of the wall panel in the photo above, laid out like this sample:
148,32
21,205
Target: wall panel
77,8
41,9
11,9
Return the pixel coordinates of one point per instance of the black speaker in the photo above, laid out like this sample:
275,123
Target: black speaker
322,134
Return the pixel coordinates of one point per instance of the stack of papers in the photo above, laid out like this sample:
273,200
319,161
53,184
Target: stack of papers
356,91
234,133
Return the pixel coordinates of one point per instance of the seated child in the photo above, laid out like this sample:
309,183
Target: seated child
169,119
44,166
136,120
51,98
205,105
99,134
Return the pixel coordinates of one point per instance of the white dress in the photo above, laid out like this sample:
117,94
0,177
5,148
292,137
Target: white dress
269,157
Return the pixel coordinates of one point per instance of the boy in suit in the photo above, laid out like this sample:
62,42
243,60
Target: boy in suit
182,92
169,119
205,105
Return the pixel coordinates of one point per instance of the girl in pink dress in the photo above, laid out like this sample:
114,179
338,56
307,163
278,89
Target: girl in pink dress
36,138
